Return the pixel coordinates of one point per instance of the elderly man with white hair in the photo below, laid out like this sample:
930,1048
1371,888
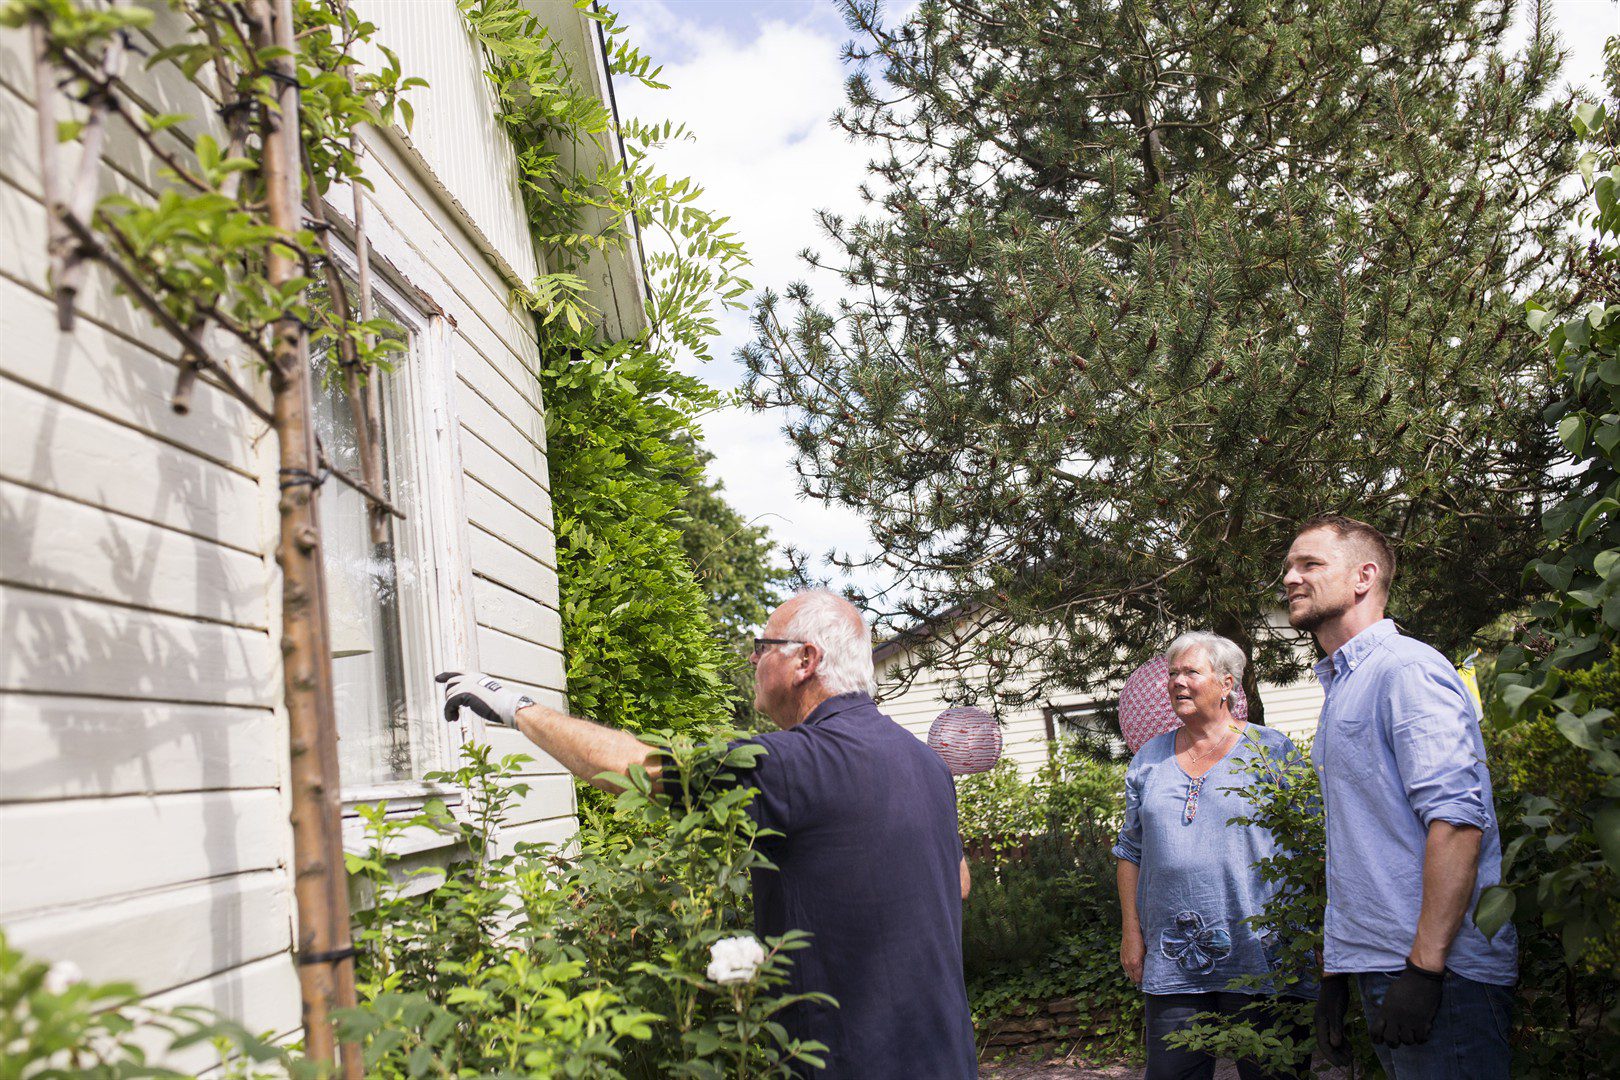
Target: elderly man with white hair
869,860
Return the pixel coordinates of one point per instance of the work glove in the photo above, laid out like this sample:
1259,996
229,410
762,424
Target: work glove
1407,1015
1332,1003
482,694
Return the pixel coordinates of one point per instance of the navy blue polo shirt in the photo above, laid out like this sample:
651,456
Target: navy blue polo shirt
869,864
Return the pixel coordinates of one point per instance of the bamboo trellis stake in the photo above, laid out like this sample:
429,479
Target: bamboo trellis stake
325,950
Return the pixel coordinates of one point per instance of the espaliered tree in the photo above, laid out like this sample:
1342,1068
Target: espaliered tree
1144,283
228,254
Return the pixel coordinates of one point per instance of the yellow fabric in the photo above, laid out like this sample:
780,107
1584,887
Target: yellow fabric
1471,680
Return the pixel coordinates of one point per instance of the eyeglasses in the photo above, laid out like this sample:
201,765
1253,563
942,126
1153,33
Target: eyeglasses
763,643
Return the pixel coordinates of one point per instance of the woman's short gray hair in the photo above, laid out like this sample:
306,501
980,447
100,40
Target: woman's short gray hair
831,623
1224,655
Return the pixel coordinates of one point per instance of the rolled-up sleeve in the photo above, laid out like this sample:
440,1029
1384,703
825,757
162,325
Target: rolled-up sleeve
1129,844
1432,735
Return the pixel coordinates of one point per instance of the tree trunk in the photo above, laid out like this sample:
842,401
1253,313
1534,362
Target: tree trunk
1231,626
320,885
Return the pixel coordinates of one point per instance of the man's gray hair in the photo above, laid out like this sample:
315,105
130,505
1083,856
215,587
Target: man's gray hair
831,623
1225,658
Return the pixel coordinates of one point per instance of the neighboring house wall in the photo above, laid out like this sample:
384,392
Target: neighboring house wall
143,743
1291,709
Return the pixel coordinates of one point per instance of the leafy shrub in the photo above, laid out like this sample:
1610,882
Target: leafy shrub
55,1025
1546,794
1072,790
525,963
1558,759
641,650
1285,794
542,962
1043,918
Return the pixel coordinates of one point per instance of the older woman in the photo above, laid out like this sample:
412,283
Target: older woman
1188,879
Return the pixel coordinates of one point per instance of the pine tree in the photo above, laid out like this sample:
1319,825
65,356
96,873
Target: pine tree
1144,283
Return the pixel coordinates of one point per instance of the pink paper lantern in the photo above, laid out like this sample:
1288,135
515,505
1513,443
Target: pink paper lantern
1144,704
968,738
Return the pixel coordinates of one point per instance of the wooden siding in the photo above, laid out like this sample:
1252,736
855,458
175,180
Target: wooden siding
143,818
464,155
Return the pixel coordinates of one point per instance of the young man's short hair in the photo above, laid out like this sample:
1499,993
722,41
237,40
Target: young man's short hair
1370,544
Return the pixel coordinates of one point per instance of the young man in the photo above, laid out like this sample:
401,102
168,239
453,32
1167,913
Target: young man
1411,830
868,861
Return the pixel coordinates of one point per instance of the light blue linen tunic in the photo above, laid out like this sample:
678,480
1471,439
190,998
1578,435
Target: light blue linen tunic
1398,748
1199,880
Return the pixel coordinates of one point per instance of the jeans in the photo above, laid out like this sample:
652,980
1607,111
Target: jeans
1470,1037
1172,1012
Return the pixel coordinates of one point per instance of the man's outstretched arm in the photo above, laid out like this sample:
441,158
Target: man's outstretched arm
585,749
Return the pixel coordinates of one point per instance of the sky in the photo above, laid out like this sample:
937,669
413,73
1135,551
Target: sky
757,82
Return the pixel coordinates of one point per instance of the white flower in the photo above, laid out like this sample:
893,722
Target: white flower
735,959
63,974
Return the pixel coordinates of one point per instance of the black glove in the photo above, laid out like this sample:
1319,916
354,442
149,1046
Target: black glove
483,695
1407,1015
1332,1003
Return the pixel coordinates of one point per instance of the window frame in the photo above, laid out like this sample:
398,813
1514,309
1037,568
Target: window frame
1056,716
418,412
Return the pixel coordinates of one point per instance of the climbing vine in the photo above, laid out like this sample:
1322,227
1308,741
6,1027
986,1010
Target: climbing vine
641,650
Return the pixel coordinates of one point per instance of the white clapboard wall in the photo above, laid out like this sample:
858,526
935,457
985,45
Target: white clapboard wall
143,813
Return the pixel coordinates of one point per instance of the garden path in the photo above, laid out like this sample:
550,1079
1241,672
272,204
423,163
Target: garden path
1030,1068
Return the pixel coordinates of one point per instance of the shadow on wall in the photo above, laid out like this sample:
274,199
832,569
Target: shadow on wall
139,747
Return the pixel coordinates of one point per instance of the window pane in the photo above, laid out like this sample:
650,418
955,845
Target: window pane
370,592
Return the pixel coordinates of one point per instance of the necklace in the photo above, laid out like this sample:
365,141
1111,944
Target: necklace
1194,759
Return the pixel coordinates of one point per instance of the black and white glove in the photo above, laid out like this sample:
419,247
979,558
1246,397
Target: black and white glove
483,695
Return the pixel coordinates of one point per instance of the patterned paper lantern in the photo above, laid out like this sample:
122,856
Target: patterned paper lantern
1144,704
968,738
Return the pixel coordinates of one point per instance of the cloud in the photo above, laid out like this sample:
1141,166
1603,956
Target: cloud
758,93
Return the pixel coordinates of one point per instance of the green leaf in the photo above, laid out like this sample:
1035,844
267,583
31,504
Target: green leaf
1607,436
1586,598
1593,513
1589,117
1572,433
1606,829
1495,908
1576,730
1611,611
1586,165
1558,575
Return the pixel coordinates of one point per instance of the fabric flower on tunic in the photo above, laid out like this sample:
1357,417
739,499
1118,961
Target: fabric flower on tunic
1196,947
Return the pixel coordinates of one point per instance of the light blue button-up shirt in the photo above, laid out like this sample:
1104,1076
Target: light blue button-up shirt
1398,747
